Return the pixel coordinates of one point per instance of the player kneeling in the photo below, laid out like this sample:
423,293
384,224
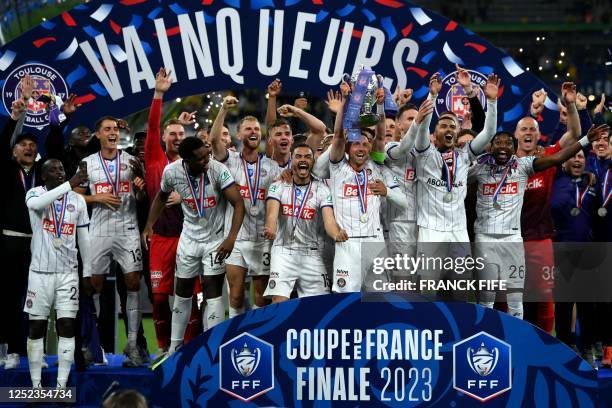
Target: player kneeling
297,216
56,214
205,186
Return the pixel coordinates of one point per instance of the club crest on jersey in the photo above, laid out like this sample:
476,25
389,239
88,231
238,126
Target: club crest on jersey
47,81
453,98
123,166
70,208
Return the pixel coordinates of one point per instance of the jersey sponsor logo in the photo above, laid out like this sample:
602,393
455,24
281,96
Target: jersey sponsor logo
67,229
103,188
409,176
244,192
351,190
508,188
307,213
31,293
536,183
156,274
341,272
209,202
442,183
452,97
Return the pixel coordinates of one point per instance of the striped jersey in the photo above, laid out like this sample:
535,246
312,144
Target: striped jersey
402,167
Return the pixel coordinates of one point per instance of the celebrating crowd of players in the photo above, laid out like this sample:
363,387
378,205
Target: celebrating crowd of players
296,219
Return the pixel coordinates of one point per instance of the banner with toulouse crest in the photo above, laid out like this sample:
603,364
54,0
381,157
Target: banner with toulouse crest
107,52
339,350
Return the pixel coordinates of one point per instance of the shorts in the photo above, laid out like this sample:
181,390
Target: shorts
353,265
125,249
162,255
195,258
403,241
253,256
302,269
47,289
434,246
540,263
504,258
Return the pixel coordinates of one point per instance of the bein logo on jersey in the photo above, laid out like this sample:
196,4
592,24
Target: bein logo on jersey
508,188
482,366
246,365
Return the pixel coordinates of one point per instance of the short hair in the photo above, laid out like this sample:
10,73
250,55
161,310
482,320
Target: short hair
405,107
299,138
44,170
102,119
171,122
505,133
280,122
140,136
370,134
464,132
79,129
188,146
298,145
247,119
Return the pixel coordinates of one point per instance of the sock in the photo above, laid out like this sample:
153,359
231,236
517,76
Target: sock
180,316
515,304
486,299
194,326
214,312
35,356
132,306
204,311
235,311
161,319
96,300
65,357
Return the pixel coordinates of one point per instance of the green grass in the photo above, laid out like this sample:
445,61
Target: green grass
149,331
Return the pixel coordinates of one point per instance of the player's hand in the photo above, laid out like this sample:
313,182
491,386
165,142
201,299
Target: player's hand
286,176
173,199
402,96
568,93
341,236
301,103
187,118
596,133
425,109
69,107
380,96
108,199
163,81
286,111
378,188
80,177
18,107
581,101
435,84
137,168
275,87
467,121
491,89
601,106
229,102
224,250
537,102
146,235
26,86
463,77
345,89
139,183
334,101
269,234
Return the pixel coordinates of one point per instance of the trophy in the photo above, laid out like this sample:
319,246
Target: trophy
369,81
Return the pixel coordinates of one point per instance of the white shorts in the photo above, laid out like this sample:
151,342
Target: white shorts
434,246
253,256
504,258
47,289
353,265
194,258
302,269
125,249
403,241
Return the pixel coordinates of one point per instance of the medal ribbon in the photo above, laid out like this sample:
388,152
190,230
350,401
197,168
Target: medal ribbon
114,183
295,218
450,172
500,185
254,186
58,221
362,191
606,194
198,198
580,195
29,180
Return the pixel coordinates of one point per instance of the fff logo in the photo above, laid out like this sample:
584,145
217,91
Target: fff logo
246,365
482,366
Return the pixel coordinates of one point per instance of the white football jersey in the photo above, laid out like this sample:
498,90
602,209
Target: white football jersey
45,257
309,229
106,222
507,218
252,225
403,168
216,179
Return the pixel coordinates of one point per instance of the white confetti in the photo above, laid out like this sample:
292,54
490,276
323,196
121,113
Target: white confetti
512,67
550,104
68,52
7,59
419,15
450,55
102,12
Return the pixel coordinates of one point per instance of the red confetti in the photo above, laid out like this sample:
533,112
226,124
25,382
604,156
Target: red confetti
84,99
406,30
477,47
500,91
68,19
317,2
390,3
540,118
131,2
420,72
116,27
42,41
207,2
450,26
355,33
171,31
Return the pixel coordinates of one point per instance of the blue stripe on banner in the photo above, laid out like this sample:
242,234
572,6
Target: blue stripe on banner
514,113
75,75
428,57
289,3
208,19
550,104
346,10
146,47
233,3
369,15
485,70
81,7
389,28
177,8
321,15
153,14
430,35
421,92
98,89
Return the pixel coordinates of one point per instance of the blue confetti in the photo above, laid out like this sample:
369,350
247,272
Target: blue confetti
49,25
516,90
468,32
389,28
146,47
177,8
485,70
369,15
92,32
75,75
441,71
421,92
99,89
289,3
428,57
259,4
514,113
430,35
80,7
208,19
321,15
233,3
153,15
136,21
346,10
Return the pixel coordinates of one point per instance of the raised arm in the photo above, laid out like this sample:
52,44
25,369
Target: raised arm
569,95
40,202
314,124
274,89
153,149
338,146
484,137
422,141
218,147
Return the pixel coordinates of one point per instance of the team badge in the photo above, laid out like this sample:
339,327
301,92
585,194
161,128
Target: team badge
341,282
47,81
29,303
70,208
272,284
123,166
453,98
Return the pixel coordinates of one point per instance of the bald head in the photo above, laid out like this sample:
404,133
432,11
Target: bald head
527,133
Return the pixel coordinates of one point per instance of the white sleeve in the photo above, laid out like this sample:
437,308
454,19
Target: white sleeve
38,202
422,139
396,196
479,143
321,166
85,250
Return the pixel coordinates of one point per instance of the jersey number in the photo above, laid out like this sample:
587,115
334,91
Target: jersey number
214,261
73,291
136,255
266,259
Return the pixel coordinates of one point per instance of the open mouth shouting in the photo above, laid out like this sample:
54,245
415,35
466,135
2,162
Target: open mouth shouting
448,138
502,155
303,169
113,139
